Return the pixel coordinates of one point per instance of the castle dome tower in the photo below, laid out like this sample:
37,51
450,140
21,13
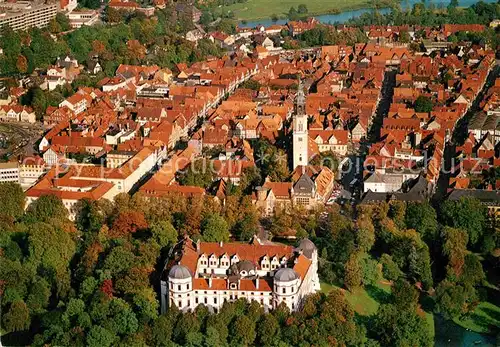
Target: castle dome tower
286,287
300,134
180,285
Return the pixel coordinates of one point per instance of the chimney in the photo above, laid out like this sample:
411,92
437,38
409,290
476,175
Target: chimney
198,248
257,282
210,282
221,243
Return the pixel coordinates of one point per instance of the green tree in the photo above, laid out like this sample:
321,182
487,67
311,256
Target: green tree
14,200
467,214
17,317
45,208
164,233
214,228
91,215
398,323
423,218
302,9
198,174
353,274
454,300
423,104
243,331
100,337
269,330
390,269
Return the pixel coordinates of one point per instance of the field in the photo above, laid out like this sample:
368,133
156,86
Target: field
264,9
484,319
365,301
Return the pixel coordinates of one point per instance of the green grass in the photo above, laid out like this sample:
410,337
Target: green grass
365,301
264,9
485,317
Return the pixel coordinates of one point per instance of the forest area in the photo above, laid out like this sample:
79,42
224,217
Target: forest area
94,282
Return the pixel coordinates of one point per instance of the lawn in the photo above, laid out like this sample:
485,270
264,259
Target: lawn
264,9
485,316
365,301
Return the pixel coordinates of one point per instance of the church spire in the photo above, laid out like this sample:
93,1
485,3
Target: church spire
300,100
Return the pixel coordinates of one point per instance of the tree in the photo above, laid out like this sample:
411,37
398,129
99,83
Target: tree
22,63
467,214
274,17
268,329
162,330
423,104
164,233
353,274
401,328
214,228
136,50
247,227
63,21
17,317
100,337
92,214
12,206
455,248
302,9
243,331
197,174
390,269
113,15
404,37
54,26
128,222
250,178
423,218
454,300
45,208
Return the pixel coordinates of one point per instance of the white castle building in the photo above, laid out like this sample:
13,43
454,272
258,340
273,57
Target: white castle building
300,133
210,273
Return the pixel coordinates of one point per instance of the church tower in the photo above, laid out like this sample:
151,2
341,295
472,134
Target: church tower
300,135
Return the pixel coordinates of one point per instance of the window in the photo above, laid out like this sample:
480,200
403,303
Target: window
196,300
179,287
284,290
215,300
206,300
187,286
189,302
180,303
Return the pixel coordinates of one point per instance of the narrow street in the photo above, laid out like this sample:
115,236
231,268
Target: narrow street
459,136
383,105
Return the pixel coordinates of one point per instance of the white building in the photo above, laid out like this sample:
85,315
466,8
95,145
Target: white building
77,19
210,273
388,180
9,172
300,135
75,182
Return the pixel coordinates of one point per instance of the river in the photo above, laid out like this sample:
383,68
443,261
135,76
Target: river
345,16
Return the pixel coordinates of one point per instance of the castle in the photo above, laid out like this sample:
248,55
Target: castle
210,273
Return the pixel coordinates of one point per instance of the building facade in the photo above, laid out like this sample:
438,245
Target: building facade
210,273
22,15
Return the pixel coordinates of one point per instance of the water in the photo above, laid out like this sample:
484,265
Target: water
449,334
345,16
